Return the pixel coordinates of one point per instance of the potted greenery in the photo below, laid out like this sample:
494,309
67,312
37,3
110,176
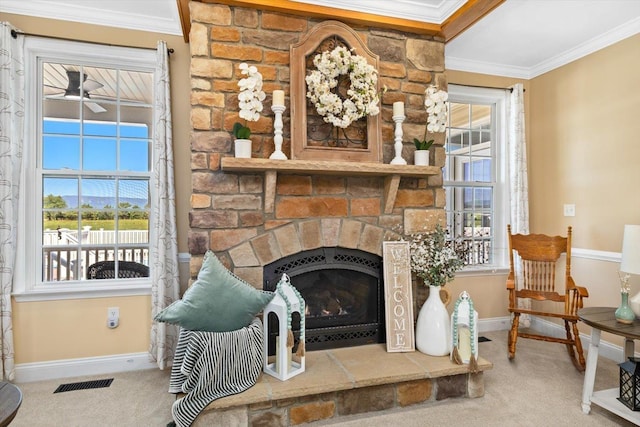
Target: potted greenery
250,103
421,155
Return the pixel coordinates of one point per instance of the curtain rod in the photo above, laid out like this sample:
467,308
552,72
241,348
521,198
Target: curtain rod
15,33
510,89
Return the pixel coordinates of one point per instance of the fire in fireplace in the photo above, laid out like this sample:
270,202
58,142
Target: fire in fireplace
343,292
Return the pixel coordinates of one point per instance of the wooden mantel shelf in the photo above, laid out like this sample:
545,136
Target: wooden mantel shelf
271,168
318,167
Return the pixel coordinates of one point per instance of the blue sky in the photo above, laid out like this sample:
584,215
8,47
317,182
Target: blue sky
96,150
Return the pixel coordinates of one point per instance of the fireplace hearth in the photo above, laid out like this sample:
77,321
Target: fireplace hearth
343,291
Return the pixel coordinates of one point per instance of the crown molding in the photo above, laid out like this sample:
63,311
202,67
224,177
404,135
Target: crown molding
185,19
325,12
435,11
466,15
91,15
472,66
595,44
590,46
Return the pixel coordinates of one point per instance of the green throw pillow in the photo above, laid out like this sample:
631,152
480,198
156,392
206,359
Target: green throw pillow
218,301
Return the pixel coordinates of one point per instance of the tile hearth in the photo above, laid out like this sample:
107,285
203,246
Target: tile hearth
347,381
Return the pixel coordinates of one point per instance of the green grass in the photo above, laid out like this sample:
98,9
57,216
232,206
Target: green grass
123,224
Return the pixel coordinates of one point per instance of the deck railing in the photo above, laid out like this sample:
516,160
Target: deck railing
66,258
477,242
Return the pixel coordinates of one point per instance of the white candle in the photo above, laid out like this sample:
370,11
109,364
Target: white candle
464,343
288,358
398,108
278,97
278,355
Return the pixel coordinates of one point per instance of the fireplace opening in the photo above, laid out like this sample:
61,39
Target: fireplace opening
343,292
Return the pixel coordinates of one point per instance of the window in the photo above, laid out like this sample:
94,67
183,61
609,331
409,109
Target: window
89,154
474,175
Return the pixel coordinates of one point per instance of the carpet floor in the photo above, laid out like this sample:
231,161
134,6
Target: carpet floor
540,387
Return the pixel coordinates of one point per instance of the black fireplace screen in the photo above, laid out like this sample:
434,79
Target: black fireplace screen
343,292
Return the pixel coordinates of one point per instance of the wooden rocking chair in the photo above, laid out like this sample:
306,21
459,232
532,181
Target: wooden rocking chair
532,275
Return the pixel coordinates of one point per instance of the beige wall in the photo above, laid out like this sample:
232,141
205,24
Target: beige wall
67,329
584,150
584,147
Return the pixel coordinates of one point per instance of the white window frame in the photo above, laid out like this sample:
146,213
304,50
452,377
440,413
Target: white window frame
501,195
28,283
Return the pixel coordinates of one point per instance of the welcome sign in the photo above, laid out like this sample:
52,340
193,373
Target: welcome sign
398,297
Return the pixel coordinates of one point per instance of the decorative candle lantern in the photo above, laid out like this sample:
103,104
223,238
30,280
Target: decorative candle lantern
464,332
630,383
285,303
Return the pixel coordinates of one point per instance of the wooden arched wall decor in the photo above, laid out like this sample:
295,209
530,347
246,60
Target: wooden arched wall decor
311,137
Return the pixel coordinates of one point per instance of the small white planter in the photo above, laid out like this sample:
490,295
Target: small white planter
421,157
243,148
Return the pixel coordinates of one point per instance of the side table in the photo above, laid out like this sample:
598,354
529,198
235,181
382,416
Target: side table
10,400
603,319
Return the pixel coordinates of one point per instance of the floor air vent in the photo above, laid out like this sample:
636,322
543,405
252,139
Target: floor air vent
84,385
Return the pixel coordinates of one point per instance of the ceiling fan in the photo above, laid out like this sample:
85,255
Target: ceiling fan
77,90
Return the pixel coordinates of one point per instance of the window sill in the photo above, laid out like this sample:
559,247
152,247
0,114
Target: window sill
49,293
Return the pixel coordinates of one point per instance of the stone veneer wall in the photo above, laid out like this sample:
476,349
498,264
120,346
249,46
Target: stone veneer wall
227,214
337,404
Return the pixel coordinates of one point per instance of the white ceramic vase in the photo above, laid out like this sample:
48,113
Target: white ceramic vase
243,148
421,157
434,326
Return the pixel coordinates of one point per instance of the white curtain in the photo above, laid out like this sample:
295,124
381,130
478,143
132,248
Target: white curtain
164,246
518,182
11,141
518,162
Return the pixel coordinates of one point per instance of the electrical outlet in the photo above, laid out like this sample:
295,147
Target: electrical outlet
113,317
570,210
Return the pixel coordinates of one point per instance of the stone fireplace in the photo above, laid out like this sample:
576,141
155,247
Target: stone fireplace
258,213
264,217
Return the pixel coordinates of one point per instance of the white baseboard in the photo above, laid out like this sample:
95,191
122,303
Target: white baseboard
41,371
606,349
66,368
545,327
494,324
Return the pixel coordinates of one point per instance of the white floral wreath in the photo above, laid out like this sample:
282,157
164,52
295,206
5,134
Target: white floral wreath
362,94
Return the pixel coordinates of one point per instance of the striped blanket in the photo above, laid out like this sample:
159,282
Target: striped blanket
211,365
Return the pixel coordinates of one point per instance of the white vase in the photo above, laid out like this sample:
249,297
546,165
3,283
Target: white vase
433,326
421,157
243,148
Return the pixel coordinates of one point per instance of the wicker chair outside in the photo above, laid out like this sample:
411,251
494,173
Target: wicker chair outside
126,270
